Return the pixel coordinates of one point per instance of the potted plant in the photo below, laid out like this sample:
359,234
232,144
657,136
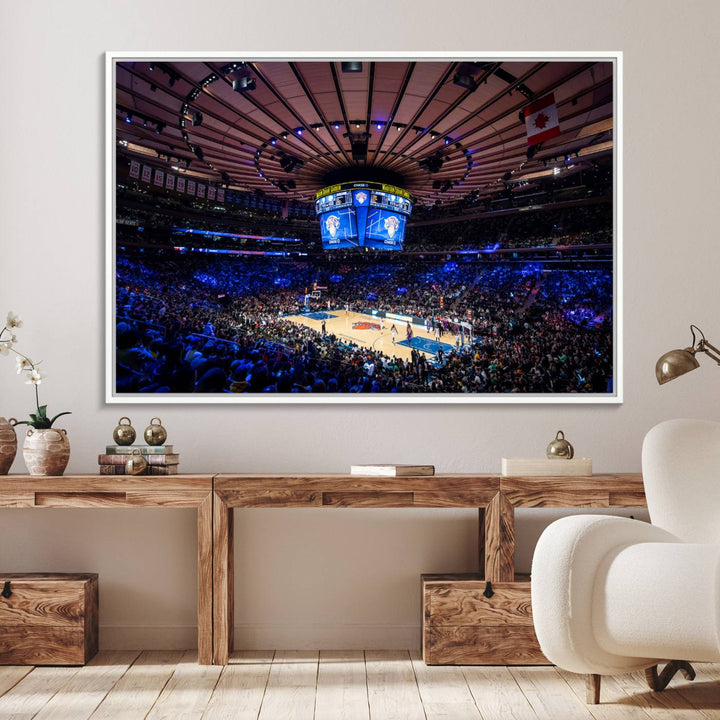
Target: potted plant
46,449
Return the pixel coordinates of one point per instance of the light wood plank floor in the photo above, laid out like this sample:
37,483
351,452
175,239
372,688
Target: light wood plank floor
349,685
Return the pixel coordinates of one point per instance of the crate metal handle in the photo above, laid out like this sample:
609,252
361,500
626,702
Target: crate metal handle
6,592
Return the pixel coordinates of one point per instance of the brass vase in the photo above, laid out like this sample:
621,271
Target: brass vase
46,451
8,444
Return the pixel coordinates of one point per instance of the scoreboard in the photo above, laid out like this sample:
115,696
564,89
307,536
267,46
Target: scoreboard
363,214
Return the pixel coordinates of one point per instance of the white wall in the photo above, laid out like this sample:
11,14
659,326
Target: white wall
330,578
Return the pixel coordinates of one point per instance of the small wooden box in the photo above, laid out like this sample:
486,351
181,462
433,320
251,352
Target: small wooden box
461,626
48,618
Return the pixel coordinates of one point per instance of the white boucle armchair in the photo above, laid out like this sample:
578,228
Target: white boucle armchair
613,595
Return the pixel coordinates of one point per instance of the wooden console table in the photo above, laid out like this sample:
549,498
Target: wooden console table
495,497
215,498
92,491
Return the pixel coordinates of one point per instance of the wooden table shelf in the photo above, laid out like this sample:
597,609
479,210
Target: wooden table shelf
126,491
494,496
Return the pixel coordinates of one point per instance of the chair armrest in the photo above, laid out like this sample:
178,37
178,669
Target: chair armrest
565,563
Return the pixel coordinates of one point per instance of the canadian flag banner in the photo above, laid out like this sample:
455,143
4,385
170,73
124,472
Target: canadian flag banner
134,169
190,187
170,182
146,173
200,190
181,184
221,195
159,178
211,192
541,120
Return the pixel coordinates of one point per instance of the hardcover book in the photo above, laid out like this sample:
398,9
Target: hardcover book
149,470
111,459
392,470
144,449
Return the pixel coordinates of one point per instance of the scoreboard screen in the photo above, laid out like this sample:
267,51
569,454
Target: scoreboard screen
363,214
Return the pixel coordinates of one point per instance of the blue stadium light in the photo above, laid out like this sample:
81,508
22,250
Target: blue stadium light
128,118
299,131
447,140
379,126
337,126
273,141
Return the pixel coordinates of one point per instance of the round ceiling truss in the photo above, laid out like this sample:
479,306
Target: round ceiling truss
448,129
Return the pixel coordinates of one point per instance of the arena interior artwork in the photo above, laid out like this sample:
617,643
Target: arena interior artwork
319,229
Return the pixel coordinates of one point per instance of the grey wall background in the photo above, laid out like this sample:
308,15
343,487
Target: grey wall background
319,578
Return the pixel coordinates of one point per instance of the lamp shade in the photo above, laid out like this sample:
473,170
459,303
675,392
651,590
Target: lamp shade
675,363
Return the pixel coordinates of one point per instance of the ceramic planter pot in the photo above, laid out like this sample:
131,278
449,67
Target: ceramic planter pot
46,452
8,444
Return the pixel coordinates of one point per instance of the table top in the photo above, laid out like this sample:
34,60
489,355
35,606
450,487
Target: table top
443,490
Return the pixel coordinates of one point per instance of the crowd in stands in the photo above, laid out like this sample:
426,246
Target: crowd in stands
216,324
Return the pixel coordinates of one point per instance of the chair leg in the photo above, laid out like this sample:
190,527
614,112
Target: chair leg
660,682
592,689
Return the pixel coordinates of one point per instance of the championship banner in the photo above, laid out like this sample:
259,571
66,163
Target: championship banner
211,192
159,178
147,174
190,187
541,120
181,184
200,190
170,182
221,194
134,169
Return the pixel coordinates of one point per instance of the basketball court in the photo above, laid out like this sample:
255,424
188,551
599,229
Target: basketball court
364,330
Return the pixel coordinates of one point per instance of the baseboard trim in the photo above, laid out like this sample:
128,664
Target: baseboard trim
326,637
253,636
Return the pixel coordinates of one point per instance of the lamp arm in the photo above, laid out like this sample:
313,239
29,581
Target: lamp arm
710,350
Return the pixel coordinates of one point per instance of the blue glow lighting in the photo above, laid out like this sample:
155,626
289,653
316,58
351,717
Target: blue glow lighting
299,131
337,126
401,291
273,141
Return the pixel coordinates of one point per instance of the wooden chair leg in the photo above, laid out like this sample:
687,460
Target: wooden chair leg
592,689
660,682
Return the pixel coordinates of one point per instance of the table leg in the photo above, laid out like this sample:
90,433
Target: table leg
481,541
223,581
205,579
499,519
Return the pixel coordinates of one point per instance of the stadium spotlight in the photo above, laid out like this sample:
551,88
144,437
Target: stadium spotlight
678,362
193,116
128,118
243,83
351,67
465,81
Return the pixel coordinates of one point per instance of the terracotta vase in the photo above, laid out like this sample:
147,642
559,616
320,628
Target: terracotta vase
8,444
46,452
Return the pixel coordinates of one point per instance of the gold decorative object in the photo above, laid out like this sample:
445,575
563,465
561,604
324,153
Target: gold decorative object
155,433
46,451
124,433
136,463
8,444
560,448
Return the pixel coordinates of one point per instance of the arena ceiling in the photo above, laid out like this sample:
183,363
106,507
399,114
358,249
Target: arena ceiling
441,129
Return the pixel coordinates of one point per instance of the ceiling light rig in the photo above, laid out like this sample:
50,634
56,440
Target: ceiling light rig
132,117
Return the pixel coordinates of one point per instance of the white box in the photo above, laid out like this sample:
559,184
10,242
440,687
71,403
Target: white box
547,467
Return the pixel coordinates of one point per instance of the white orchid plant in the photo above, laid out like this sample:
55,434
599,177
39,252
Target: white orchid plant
25,366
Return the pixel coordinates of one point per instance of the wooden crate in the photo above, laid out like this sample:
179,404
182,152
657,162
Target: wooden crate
48,618
461,626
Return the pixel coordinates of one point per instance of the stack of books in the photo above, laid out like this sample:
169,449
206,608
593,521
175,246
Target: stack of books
160,459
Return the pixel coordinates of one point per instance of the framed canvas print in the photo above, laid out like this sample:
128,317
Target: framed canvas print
366,228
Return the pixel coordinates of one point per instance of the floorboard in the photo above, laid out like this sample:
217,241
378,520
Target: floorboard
343,685
392,688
